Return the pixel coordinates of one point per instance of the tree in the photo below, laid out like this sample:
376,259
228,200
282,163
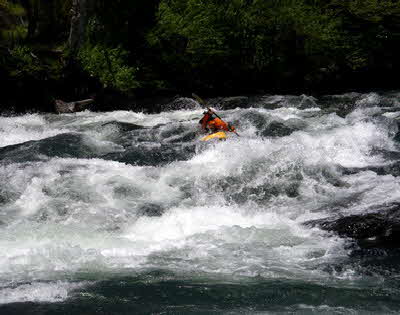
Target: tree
32,12
79,20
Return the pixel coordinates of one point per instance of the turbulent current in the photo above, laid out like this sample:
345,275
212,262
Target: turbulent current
129,213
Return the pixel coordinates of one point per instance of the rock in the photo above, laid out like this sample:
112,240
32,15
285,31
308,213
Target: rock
390,169
269,101
254,118
307,102
151,210
66,145
397,135
62,107
277,129
181,103
283,128
342,104
378,229
233,102
123,126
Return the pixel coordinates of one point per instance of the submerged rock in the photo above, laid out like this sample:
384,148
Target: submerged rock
378,229
151,210
236,101
230,102
144,155
390,169
277,129
180,103
66,145
123,126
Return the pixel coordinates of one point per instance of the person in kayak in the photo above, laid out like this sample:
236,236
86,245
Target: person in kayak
213,124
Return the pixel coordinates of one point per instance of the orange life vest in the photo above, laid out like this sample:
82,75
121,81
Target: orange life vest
217,124
204,121
214,124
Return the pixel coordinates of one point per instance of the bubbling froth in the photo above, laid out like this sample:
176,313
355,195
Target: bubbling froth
232,208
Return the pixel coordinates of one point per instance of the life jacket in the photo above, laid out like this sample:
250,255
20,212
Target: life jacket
204,121
218,124
208,122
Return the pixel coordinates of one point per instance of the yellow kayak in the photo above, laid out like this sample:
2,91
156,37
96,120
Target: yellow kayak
217,135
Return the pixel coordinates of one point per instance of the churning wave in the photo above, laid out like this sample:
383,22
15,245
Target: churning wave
93,197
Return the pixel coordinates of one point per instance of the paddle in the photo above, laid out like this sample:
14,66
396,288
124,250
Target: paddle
202,102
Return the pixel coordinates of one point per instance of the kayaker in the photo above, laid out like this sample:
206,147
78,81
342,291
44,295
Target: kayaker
211,123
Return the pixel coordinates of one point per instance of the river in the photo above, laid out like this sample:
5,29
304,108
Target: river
129,213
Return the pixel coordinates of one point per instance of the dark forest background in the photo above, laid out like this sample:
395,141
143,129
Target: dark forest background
122,50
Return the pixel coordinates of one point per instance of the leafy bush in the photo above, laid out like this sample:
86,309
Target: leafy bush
15,34
25,63
108,65
12,8
12,29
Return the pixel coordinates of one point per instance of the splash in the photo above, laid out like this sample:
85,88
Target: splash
132,192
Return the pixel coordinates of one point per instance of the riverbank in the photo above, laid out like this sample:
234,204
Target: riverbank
129,56
29,96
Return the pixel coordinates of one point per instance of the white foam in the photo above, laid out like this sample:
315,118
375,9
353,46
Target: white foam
376,191
19,129
24,128
233,243
88,118
38,292
370,99
63,216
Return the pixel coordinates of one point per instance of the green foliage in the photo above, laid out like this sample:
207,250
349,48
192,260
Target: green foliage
285,38
11,29
371,31
109,66
25,63
12,8
16,34
203,44
236,37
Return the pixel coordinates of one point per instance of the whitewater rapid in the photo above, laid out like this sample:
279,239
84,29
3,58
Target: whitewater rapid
88,196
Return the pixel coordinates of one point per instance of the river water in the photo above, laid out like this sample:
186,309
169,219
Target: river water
128,213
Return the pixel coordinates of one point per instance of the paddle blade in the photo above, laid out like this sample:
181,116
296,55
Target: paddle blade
198,99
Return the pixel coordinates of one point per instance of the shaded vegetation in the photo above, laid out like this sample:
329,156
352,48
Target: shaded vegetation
77,48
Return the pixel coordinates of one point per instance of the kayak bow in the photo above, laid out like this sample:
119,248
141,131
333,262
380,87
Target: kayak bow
217,135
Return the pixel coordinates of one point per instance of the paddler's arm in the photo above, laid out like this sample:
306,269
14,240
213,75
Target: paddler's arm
206,118
230,127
